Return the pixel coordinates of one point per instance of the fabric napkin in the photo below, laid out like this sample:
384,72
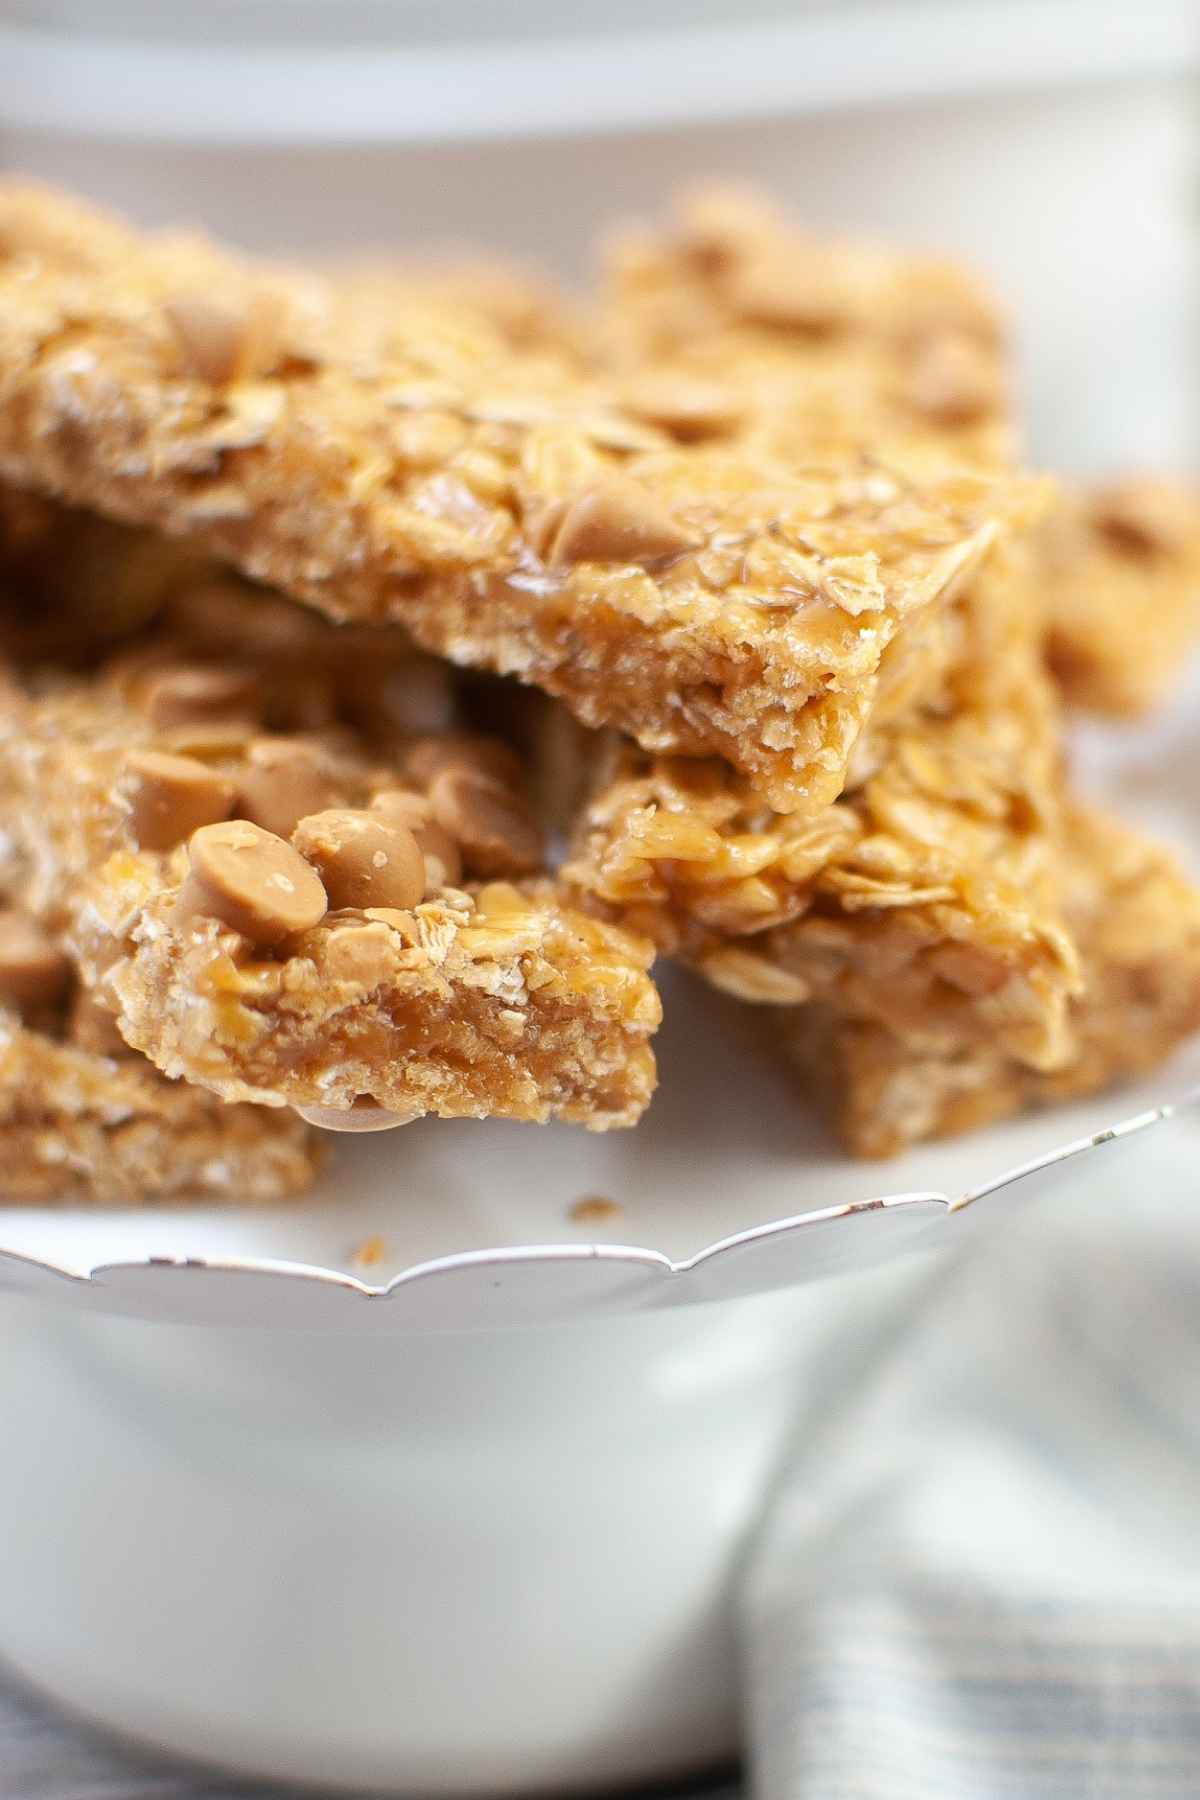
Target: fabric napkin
979,1576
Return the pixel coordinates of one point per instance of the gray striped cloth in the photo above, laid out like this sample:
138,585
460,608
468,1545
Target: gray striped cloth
979,1578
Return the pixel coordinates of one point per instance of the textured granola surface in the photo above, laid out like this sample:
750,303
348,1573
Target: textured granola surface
464,997
1137,919
1122,573
926,898
496,1003
78,1127
409,463
727,322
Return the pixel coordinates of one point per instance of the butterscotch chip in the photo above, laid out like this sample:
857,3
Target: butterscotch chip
400,806
1122,585
92,1027
209,740
460,749
775,289
443,859
495,833
252,881
364,860
1145,517
283,782
689,408
172,796
953,381
419,696
616,521
365,1115
222,341
188,696
33,971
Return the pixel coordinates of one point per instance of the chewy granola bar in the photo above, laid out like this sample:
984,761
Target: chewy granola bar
1122,579
84,1120
1137,919
500,505
289,918
729,323
925,899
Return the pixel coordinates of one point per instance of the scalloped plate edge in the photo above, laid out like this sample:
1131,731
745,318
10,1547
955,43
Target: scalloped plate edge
526,1284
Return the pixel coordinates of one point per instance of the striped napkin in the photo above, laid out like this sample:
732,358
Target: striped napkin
979,1578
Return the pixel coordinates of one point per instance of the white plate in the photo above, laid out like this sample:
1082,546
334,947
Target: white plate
731,1185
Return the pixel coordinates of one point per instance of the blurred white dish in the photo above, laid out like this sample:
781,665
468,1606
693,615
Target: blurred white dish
1050,140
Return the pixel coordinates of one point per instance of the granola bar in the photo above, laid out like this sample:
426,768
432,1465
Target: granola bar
285,919
74,584
728,322
925,899
497,503
1122,575
1137,918
84,1120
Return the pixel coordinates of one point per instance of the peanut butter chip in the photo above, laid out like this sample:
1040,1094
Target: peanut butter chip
1143,517
283,782
952,382
443,862
783,291
209,740
431,755
188,696
364,859
443,858
92,1027
172,796
252,881
689,409
222,341
364,1115
400,806
614,521
33,971
493,831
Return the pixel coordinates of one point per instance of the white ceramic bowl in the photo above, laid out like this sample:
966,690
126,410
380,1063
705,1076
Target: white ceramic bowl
473,1525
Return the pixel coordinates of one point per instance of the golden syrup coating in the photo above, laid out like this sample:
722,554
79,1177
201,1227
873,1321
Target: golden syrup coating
727,323
481,1000
81,1126
925,898
1136,916
414,467
1122,568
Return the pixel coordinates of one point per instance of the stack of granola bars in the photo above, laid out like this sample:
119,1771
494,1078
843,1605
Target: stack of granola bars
333,605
